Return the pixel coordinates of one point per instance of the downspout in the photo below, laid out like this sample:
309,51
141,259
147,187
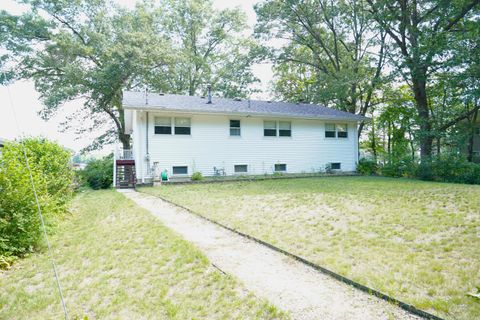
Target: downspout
147,156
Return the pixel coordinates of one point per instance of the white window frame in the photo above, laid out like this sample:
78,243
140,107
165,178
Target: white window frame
238,165
163,126
175,126
265,128
239,128
336,130
280,129
179,174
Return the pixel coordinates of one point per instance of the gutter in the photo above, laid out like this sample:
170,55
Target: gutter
355,118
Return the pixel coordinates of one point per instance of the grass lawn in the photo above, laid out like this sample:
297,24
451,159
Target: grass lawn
116,261
417,241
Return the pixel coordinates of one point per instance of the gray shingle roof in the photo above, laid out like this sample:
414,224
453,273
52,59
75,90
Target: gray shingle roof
181,103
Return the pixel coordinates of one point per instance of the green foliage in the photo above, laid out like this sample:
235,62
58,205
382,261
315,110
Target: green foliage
329,58
367,167
444,168
52,175
197,176
98,173
210,48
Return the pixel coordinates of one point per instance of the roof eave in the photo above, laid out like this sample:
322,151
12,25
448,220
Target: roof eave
354,118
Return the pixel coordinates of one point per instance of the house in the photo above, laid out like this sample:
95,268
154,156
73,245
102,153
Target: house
216,136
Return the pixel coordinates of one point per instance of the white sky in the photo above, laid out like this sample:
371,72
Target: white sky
27,105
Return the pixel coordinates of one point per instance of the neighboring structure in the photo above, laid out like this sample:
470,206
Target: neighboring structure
186,134
2,143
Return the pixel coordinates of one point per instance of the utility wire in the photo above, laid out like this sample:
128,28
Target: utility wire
52,260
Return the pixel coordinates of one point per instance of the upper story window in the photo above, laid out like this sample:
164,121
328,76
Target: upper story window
336,130
163,125
342,131
182,126
284,128
234,127
270,128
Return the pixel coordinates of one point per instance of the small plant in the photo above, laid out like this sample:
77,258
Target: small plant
197,176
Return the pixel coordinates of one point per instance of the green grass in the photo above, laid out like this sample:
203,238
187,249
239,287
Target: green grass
416,241
116,261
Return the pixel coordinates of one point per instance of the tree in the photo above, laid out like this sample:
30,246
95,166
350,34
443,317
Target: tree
426,37
333,56
210,48
85,49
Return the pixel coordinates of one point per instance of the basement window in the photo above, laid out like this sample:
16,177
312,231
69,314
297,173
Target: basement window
335,165
180,170
163,125
235,127
182,126
280,167
270,128
284,128
240,168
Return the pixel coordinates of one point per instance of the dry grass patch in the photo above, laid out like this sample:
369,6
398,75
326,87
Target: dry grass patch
417,241
117,261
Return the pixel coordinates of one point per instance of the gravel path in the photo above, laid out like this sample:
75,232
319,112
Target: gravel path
285,282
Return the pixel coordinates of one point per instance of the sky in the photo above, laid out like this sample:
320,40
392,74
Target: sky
19,114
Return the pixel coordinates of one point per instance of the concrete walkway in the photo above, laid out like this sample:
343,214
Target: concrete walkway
286,283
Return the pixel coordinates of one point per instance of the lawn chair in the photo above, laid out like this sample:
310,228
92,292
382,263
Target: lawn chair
219,172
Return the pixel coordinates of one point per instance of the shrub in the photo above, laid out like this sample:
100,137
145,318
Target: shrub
367,167
51,172
98,173
197,176
444,168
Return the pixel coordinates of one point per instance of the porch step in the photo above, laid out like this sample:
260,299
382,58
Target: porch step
125,174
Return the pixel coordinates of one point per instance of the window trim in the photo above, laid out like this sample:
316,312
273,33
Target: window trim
239,128
179,174
289,130
155,125
339,165
276,128
279,164
240,165
175,126
336,131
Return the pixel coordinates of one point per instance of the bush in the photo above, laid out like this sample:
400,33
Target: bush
52,174
197,176
98,173
367,167
444,168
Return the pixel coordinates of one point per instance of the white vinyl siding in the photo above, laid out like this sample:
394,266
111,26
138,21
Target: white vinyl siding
209,145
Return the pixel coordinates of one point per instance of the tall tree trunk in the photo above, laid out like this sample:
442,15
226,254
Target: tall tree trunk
124,139
374,142
471,135
425,136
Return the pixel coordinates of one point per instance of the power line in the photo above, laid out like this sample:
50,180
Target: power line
52,260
